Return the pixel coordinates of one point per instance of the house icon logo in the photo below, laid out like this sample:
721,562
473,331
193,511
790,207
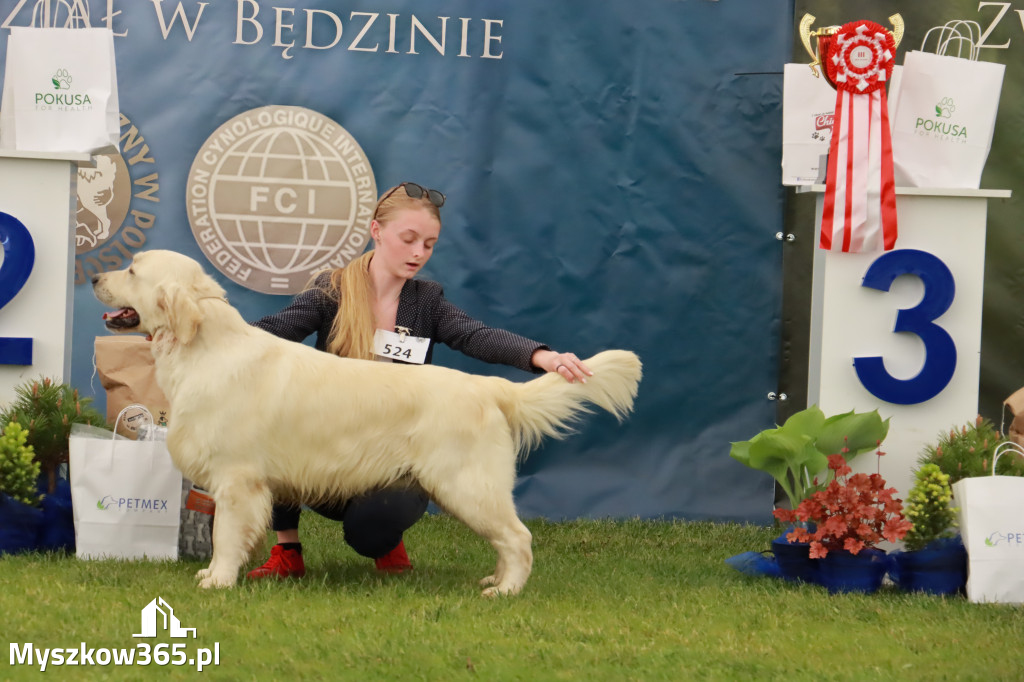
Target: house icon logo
159,611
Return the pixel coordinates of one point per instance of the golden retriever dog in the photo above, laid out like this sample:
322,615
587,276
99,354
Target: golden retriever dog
257,418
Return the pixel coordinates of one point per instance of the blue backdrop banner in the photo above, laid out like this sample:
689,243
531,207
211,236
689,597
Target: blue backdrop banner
612,174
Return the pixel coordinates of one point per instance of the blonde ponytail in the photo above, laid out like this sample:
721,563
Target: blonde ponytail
352,330
354,324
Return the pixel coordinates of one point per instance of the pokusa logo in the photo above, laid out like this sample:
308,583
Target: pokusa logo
61,98
132,504
61,80
942,127
117,192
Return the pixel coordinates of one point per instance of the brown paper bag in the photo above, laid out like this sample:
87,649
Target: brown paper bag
125,366
1015,403
128,374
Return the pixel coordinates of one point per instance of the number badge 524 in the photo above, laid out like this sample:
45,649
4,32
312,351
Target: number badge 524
400,345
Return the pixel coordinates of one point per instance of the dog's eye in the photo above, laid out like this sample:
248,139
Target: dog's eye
131,271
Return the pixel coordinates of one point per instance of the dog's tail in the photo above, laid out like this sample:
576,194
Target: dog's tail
548,405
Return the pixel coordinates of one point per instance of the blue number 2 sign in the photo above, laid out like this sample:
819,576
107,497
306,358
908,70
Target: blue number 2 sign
19,257
940,351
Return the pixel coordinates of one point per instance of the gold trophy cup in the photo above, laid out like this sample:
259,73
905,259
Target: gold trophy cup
822,39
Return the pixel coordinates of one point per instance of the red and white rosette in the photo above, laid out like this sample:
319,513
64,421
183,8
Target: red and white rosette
860,193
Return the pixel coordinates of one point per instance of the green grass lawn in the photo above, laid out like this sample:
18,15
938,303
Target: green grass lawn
631,600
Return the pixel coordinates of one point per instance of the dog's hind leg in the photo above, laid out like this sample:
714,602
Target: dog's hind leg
239,524
512,541
492,515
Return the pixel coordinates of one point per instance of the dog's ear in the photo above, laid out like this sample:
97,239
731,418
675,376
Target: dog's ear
181,309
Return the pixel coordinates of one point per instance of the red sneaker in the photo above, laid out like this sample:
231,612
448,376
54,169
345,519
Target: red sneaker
283,563
395,561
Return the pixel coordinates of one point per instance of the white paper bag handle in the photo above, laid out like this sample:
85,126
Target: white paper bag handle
950,32
1002,449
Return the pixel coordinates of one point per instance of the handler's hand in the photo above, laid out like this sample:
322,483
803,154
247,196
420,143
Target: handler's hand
567,365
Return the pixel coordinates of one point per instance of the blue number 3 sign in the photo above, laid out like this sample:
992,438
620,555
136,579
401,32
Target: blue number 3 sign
940,351
19,257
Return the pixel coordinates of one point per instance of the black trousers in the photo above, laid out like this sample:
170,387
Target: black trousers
373,522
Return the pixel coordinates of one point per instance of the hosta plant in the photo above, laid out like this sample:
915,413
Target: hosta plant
796,453
851,513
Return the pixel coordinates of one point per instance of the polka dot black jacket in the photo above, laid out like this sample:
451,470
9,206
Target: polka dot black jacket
422,309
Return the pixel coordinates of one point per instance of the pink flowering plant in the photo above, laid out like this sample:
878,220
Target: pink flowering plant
852,512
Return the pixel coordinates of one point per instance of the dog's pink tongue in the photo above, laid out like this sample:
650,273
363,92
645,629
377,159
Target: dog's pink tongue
117,313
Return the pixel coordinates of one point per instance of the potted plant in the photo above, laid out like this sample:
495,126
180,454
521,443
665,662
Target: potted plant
852,514
935,559
46,410
795,454
967,452
20,512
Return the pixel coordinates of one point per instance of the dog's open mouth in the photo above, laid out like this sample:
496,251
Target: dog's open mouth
125,318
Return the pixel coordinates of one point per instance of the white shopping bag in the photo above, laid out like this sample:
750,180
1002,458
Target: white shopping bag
60,90
957,38
944,117
808,105
808,111
126,496
992,527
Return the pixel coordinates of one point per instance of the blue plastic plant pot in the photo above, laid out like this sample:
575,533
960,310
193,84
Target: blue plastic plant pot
841,571
57,530
19,525
794,560
939,568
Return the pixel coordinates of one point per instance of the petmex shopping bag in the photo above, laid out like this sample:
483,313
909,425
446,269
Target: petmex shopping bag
126,496
992,527
60,90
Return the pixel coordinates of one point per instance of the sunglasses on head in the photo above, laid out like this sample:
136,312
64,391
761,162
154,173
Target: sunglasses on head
415,191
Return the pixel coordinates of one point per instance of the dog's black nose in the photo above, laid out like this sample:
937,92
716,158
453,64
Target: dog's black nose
95,279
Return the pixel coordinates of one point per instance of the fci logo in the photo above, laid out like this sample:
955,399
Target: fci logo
277,194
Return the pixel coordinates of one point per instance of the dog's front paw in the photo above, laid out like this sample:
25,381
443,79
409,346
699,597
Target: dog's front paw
501,590
203,573
216,581
489,580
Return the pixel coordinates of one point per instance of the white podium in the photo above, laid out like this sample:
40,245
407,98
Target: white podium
900,331
38,197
